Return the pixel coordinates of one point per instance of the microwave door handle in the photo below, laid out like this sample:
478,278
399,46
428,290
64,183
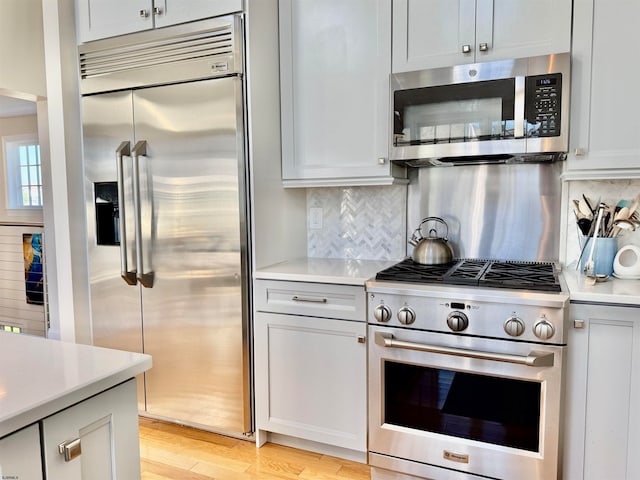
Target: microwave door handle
534,359
145,278
518,113
123,150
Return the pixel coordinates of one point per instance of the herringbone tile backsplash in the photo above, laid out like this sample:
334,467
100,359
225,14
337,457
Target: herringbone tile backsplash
366,223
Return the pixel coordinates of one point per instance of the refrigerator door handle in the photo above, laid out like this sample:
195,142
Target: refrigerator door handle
124,150
145,278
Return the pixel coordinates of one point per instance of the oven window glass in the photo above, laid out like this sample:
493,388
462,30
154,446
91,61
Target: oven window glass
465,112
495,410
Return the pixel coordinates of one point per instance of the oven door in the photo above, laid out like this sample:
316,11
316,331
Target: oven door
472,406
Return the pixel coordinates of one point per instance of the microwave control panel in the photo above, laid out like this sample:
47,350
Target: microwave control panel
543,95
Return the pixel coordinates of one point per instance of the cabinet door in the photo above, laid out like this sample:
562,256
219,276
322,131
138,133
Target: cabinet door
311,378
441,33
602,431
522,28
605,102
107,18
20,454
107,427
335,59
171,12
432,33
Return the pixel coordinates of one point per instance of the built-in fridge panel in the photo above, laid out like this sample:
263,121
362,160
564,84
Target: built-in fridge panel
167,209
115,305
192,239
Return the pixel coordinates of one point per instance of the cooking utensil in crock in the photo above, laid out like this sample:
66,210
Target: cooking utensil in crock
431,250
589,266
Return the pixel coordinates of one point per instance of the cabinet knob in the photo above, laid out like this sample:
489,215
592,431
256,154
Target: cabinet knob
144,13
362,339
483,47
70,449
157,11
466,48
579,152
382,160
578,324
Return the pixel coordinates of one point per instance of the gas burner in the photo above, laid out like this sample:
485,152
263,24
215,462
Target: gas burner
541,276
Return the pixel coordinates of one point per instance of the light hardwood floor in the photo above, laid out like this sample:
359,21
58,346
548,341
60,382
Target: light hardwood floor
175,452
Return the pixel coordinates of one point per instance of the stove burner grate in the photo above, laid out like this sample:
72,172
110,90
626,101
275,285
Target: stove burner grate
486,273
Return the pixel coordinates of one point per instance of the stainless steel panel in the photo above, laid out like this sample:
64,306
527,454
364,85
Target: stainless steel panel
190,51
426,449
478,72
194,240
115,305
502,212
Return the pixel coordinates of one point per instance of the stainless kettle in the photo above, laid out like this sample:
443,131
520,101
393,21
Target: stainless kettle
431,250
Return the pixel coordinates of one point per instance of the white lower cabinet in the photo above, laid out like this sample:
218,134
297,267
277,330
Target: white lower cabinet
20,455
602,427
310,372
100,435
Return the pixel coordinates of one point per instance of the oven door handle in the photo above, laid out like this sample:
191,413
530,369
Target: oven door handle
534,359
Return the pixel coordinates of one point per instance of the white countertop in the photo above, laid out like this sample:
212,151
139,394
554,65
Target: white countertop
324,270
357,272
613,290
39,377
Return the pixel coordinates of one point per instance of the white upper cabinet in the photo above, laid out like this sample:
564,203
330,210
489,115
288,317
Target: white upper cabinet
107,18
98,19
605,125
441,33
171,12
335,60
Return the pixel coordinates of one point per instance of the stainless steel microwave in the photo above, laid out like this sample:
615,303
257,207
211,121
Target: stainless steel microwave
491,112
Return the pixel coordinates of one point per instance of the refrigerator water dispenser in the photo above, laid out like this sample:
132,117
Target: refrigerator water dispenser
107,213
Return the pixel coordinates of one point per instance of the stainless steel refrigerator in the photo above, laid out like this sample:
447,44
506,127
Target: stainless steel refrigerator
166,201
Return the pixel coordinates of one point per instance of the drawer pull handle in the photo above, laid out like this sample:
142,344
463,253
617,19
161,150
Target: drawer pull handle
296,298
70,449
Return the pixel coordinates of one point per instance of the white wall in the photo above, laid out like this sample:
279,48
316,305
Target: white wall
22,47
64,215
279,217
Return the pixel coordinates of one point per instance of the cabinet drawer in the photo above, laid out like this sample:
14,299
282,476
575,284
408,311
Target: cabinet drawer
312,299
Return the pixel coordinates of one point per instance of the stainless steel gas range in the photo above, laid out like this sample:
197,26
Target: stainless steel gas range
466,370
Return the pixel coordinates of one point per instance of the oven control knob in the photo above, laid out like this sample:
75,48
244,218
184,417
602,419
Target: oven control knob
457,321
514,326
406,316
544,329
382,313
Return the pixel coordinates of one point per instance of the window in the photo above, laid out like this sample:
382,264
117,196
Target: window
24,176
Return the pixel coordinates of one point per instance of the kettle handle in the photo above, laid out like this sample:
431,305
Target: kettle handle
437,219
